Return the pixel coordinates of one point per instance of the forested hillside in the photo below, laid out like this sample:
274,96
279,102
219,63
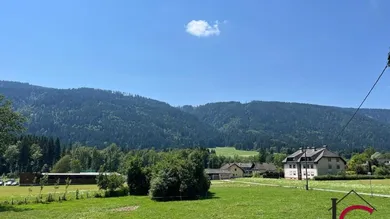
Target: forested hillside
98,118
257,124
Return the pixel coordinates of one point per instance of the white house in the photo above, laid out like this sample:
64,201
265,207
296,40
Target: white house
319,161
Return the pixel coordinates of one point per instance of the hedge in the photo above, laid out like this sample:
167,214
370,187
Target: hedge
273,175
348,177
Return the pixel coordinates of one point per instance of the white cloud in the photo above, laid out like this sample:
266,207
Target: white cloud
202,28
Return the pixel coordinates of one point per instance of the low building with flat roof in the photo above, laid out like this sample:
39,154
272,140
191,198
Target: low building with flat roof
77,178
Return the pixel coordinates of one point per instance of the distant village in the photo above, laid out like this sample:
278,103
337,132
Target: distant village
304,163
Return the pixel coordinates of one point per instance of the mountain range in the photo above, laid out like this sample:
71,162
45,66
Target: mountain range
98,117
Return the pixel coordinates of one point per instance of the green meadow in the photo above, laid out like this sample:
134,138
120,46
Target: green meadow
228,200
231,152
381,186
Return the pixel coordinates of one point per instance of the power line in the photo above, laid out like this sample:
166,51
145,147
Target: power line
368,94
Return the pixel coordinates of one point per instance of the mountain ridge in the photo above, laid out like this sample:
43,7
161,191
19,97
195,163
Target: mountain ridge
99,117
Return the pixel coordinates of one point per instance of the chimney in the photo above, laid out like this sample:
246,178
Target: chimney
300,149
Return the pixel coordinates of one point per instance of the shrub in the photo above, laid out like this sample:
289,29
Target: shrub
98,195
109,183
347,177
42,182
122,191
381,171
177,178
256,174
274,175
49,198
67,184
138,178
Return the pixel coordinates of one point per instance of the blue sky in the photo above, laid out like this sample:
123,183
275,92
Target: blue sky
321,52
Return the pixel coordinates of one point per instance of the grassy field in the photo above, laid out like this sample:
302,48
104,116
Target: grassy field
378,186
231,152
20,192
230,200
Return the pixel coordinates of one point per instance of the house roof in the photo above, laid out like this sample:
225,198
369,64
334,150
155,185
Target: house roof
312,154
228,165
245,165
216,171
264,167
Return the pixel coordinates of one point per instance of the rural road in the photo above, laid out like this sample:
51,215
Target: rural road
316,189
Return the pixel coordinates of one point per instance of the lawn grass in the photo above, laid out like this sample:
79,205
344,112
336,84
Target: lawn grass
379,186
20,192
231,200
231,152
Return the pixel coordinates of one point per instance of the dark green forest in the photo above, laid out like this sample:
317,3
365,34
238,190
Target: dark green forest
98,118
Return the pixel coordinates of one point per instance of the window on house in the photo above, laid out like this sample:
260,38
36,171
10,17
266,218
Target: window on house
304,173
312,166
330,166
294,173
294,166
290,173
235,169
304,166
337,160
312,174
290,166
338,167
329,159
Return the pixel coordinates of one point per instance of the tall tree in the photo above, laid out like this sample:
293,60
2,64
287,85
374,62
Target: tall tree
11,156
24,155
63,165
262,155
112,157
57,150
11,124
36,154
50,152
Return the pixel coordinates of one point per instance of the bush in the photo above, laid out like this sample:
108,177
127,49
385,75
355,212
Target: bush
138,178
122,191
274,175
50,198
256,174
110,183
178,178
381,171
347,177
350,172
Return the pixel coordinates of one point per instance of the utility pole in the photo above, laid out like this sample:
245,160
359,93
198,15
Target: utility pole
388,59
307,178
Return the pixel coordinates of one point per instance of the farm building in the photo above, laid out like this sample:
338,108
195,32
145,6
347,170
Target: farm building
217,174
77,178
236,170
247,169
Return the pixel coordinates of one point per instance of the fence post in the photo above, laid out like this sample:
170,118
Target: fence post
334,208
